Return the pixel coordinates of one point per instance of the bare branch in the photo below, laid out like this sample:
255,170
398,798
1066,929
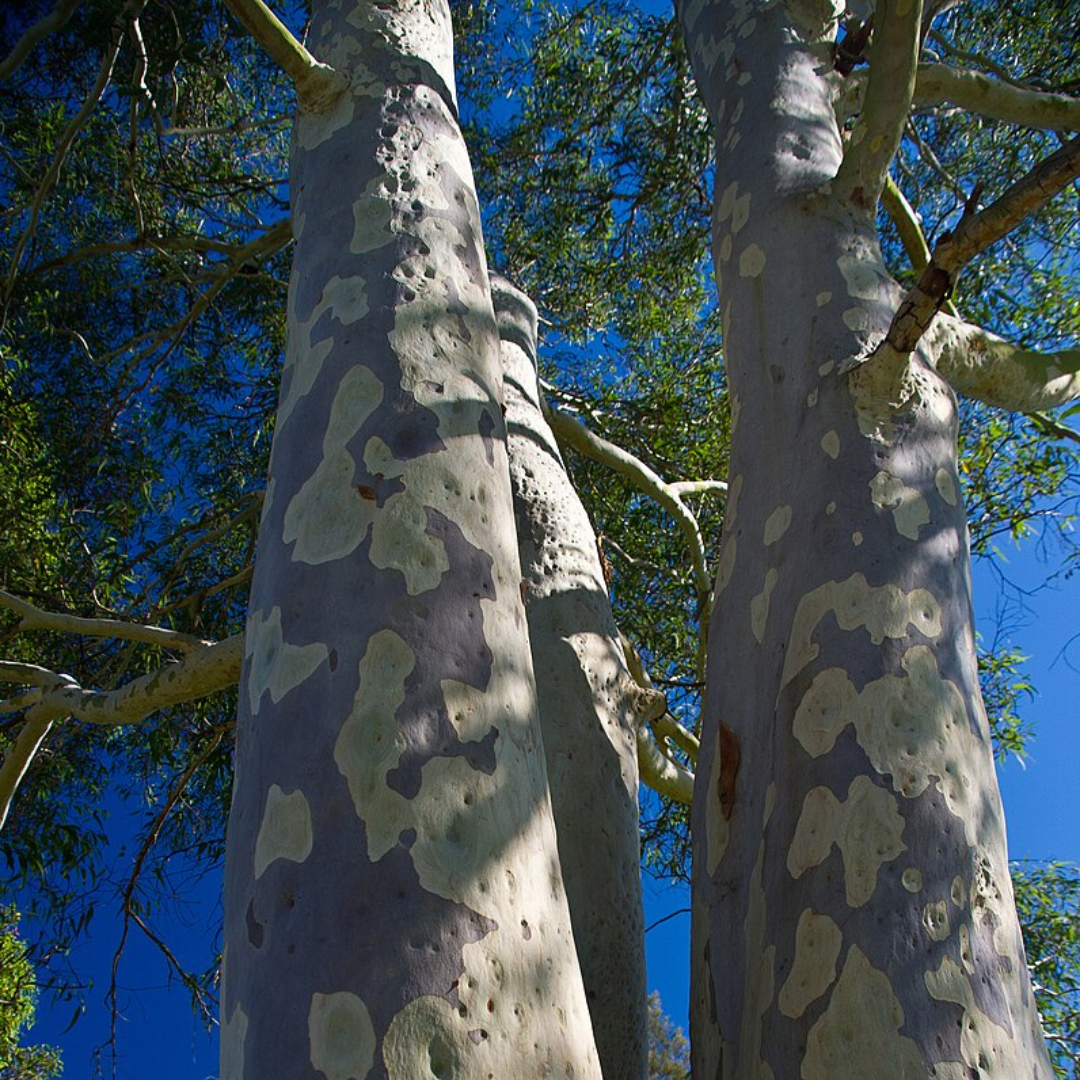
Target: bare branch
574,433
197,675
34,618
45,26
658,770
699,487
317,85
890,84
17,760
937,84
984,366
974,234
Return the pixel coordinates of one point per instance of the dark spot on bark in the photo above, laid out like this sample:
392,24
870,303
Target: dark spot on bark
729,767
255,931
365,492
490,1005
526,930
478,1035
487,427
333,659
777,373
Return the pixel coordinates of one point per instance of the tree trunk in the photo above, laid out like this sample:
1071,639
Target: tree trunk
394,903
587,698
853,908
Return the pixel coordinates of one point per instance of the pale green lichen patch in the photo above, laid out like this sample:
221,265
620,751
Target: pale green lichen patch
751,261
946,486
823,298
817,947
341,1036
830,443
285,831
776,524
909,509
867,828
885,611
273,664
370,741
740,211
330,516
858,1035
759,605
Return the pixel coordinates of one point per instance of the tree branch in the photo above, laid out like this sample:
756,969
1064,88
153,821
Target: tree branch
986,367
45,26
573,432
889,88
658,770
937,84
197,675
903,216
974,234
34,618
317,85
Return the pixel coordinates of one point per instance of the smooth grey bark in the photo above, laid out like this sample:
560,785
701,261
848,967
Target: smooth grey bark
853,909
394,904
587,703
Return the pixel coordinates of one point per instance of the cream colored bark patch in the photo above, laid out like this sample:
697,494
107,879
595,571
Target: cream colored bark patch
946,486
285,832
884,611
751,261
341,1036
233,1035
273,664
817,947
987,1049
777,524
935,920
909,509
858,1035
914,728
370,741
867,828
830,443
330,515
759,605
911,879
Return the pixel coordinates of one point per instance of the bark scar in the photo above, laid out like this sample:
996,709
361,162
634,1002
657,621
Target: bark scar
729,767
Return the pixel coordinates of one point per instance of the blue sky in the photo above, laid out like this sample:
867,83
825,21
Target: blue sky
158,1035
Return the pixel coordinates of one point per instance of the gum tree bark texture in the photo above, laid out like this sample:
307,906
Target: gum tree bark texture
853,908
394,904
587,698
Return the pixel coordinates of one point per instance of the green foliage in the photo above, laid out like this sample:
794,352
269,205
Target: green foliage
669,1052
1048,900
18,1003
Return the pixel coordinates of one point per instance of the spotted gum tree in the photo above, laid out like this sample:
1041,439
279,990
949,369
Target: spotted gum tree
853,913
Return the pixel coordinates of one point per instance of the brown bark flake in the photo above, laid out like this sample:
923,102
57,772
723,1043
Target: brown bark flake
729,767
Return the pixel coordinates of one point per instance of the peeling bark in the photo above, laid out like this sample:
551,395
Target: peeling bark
586,696
394,903
853,907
